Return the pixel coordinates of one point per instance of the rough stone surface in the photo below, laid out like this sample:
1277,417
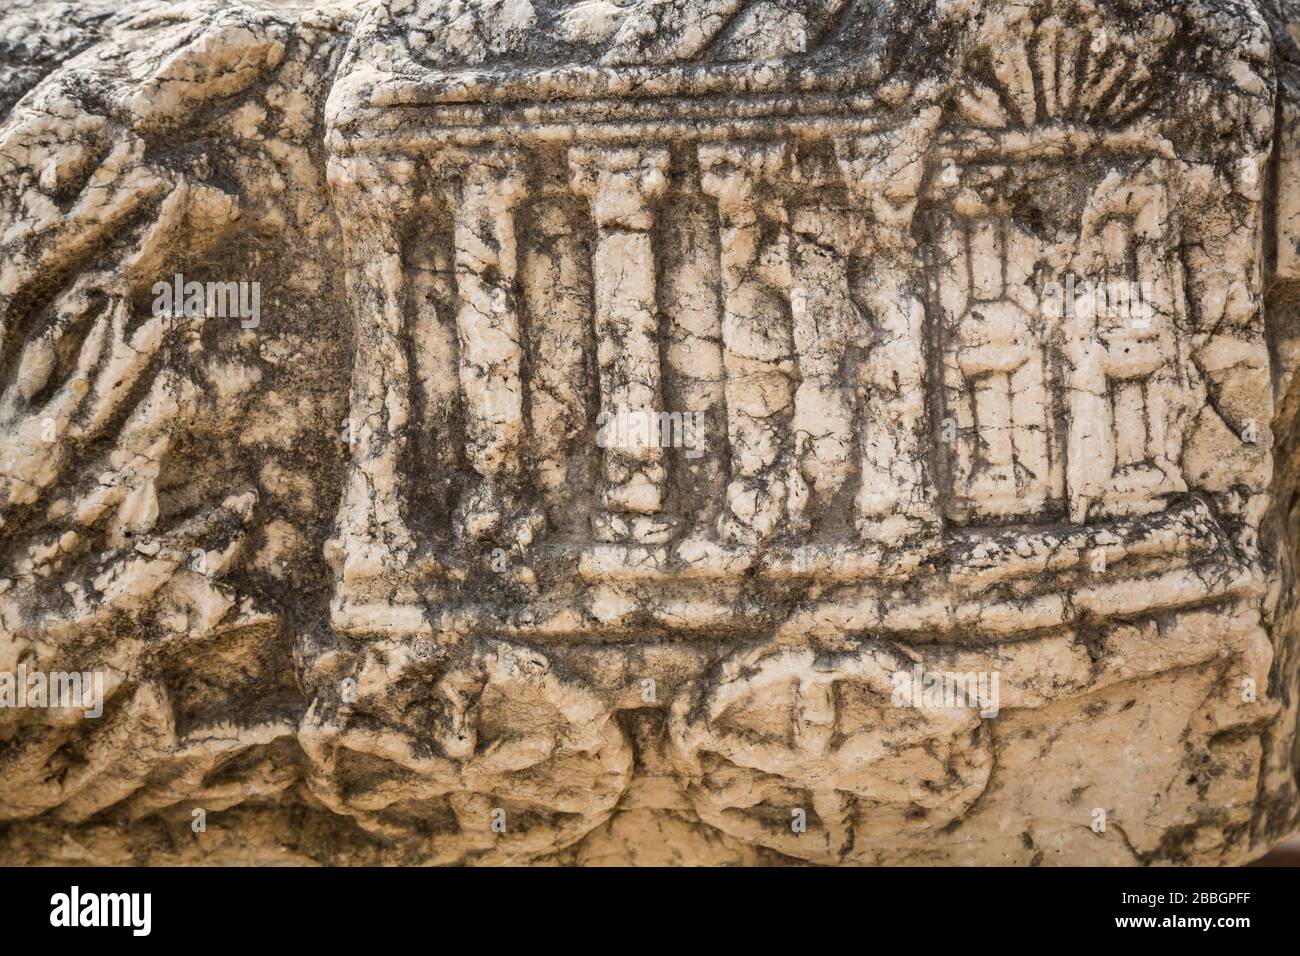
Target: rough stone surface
399,571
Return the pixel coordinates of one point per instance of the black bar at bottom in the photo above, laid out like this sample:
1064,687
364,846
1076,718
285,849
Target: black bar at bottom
464,908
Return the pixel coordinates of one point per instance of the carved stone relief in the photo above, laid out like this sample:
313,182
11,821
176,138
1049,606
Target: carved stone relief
705,432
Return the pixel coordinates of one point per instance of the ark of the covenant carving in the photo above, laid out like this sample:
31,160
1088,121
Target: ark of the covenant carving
649,431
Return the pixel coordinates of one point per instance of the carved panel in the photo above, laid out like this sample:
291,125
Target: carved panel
712,376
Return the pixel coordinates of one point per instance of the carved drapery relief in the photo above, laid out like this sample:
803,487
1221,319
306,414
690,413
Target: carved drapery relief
112,569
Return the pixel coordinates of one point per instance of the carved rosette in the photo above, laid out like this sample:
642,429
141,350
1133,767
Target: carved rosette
775,733
484,755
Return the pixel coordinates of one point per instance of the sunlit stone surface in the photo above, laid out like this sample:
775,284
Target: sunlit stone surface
652,431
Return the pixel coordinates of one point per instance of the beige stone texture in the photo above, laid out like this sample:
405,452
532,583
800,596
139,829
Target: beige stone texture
661,432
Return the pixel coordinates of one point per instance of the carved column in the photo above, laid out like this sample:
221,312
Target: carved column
1123,360
491,186
825,324
896,500
1000,355
623,186
556,279
758,350
376,197
690,296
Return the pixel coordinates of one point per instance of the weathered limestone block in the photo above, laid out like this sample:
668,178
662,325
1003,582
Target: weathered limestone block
698,432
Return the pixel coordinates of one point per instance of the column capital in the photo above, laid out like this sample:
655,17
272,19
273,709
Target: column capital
622,183
884,170
735,173
492,174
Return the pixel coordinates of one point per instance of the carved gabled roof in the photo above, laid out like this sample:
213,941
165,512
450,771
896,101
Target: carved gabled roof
1184,78
537,52
501,35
